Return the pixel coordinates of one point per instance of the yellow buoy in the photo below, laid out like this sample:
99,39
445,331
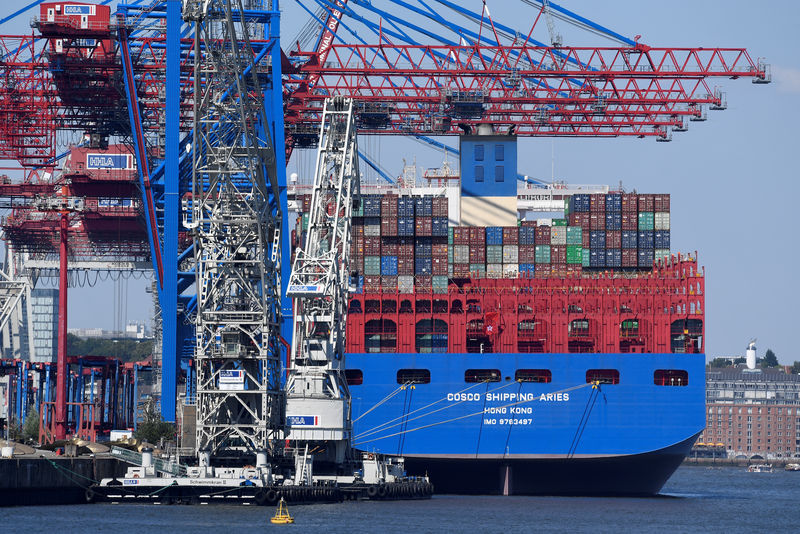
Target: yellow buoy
282,516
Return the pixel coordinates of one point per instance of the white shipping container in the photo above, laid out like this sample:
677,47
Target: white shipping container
372,230
510,254
558,235
661,253
405,284
661,221
460,253
510,270
494,270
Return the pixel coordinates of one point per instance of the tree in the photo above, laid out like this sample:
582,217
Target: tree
153,427
30,430
796,368
718,363
770,360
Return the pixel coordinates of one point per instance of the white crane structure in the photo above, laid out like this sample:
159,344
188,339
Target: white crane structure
317,396
235,217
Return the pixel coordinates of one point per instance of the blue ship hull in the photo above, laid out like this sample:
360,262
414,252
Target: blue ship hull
507,437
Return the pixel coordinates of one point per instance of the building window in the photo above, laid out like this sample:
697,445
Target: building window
478,173
354,377
603,376
478,152
671,377
499,173
499,152
482,375
413,376
533,375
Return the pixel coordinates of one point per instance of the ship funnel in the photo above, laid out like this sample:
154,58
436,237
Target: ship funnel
751,355
147,457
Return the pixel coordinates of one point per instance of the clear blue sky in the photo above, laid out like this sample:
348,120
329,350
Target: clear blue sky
733,179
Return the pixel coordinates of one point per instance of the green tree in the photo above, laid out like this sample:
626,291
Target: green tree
737,361
30,430
770,360
153,427
125,349
718,363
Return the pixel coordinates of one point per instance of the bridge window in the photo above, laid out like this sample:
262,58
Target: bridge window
413,376
431,336
629,328
478,173
579,328
531,335
456,307
354,377
671,377
604,376
686,336
380,335
579,337
482,375
542,376
479,152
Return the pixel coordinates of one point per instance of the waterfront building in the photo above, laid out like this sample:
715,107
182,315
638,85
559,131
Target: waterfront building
753,412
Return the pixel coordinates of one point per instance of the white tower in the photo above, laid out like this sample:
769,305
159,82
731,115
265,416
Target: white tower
751,355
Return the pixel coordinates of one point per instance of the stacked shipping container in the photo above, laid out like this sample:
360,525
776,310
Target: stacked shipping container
405,244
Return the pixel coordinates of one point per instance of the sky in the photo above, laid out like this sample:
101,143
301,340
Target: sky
733,179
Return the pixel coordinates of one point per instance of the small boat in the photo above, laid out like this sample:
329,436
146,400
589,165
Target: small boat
760,468
282,516
792,467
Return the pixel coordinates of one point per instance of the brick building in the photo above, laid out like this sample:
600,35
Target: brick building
753,412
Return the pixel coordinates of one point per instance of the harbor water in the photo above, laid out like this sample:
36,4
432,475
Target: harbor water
707,499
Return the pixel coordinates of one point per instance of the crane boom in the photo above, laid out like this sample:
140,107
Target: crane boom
318,400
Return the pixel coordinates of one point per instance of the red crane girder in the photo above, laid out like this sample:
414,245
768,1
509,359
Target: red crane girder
536,90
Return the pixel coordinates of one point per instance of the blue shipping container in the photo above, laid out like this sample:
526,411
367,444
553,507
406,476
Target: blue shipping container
579,203
613,257
405,207
629,239
661,239
405,226
439,226
423,265
597,257
389,265
646,241
646,257
527,269
614,220
494,235
527,235
372,205
597,239
423,206
422,246
614,203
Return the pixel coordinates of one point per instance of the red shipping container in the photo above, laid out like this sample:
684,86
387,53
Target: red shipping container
613,239
630,257
477,254
405,265
597,221
558,254
647,203
461,270
389,226
558,270
629,203
439,266
357,264
423,226
461,235
586,239
579,219
439,250
574,270
440,206
423,282
389,206
477,236
630,221
542,235
661,203
389,247
527,254
372,246
510,235
597,203
372,284
542,270
389,284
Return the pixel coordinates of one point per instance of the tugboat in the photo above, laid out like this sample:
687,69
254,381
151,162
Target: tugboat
282,516
792,467
760,468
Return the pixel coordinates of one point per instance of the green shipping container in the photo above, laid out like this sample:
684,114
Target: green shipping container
586,256
542,254
305,221
646,220
494,253
449,235
360,211
574,254
372,265
574,235
450,254
477,270
439,283
559,222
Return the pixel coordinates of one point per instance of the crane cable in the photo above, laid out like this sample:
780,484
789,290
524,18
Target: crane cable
467,415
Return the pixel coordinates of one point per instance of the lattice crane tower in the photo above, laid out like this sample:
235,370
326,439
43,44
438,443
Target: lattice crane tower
236,230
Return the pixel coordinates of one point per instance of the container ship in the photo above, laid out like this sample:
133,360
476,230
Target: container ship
559,356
